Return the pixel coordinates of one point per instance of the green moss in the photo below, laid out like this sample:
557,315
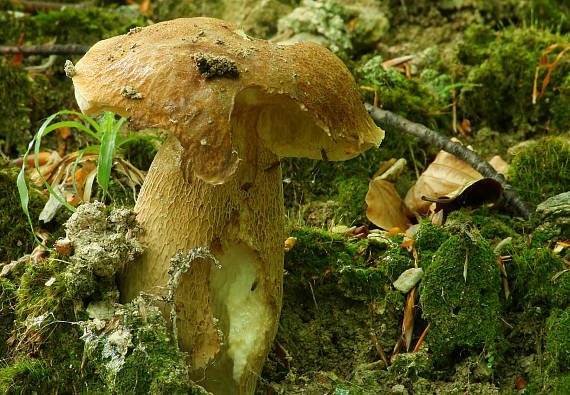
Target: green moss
412,365
428,239
164,10
140,152
16,238
7,316
15,91
363,269
334,292
34,297
394,262
499,70
537,277
460,297
152,364
77,26
492,224
541,169
351,200
409,98
557,341
25,376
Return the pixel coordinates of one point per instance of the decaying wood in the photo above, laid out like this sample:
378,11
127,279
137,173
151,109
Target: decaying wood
388,119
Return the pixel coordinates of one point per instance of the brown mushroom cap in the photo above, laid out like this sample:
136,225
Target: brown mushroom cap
197,76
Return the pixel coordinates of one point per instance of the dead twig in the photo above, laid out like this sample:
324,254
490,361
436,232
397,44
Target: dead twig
421,339
379,348
389,119
56,49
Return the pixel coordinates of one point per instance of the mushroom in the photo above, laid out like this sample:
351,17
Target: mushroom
233,106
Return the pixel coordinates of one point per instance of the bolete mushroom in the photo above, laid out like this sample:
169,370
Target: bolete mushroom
234,106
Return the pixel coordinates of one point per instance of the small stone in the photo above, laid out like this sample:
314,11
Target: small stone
555,205
340,229
408,279
554,215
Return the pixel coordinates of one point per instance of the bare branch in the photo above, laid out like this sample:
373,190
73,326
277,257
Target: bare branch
62,49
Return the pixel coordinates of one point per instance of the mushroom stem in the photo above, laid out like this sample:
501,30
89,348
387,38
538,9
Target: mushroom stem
227,314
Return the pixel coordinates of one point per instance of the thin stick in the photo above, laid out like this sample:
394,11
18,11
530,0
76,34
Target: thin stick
379,348
56,49
421,339
388,119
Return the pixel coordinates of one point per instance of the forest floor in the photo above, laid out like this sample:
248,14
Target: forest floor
491,313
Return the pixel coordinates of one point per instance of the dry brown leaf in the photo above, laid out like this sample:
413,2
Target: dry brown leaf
499,164
452,183
443,176
473,194
409,319
385,206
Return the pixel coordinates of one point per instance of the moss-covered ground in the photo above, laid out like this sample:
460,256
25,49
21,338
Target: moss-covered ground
495,74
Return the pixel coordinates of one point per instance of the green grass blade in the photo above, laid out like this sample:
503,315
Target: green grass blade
21,181
107,152
94,124
44,129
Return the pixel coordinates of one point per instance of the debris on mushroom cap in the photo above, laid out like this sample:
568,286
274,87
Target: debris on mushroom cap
197,77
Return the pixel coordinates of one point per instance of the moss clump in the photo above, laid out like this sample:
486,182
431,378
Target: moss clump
409,98
24,376
537,278
351,200
138,354
394,262
491,224
44,351
499,73
541,170
428,239
412,365
363,268
460,297
321,254
7,301
557,341
334,293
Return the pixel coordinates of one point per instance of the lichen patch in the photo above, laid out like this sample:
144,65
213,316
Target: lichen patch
69,69
130,93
